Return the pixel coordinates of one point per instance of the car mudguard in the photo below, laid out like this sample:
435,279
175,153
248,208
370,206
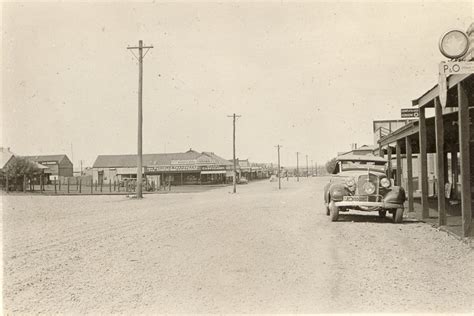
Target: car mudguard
337,191
395,195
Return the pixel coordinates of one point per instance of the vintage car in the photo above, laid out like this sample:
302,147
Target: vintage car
242,180
359,182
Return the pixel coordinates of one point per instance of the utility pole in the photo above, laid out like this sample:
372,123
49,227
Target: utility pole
297,167
312,167
307,172
233,140
279,168
140,57
81,167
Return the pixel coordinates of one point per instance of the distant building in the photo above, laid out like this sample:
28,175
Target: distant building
190,167
251,171
6,156
57,165
362,150
382,128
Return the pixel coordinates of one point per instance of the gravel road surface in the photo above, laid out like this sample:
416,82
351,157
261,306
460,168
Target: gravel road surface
259,251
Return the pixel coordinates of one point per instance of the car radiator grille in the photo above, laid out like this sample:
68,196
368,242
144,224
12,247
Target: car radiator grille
363,179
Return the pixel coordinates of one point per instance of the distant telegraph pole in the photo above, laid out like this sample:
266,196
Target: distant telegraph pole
279,168
233,140
307,172
297,167
140,57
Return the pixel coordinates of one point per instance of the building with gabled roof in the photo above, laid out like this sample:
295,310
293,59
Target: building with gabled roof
57,165
6,156
190,167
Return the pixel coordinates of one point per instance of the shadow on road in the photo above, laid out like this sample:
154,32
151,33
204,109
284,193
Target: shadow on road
372,219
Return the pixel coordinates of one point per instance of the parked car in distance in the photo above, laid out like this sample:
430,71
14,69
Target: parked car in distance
359,182
242,180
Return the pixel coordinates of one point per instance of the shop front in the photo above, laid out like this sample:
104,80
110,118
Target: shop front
175,174
213,175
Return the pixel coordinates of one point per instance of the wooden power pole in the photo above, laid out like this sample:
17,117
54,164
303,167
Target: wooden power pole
140,57
297,167
234,181
279,168
307,171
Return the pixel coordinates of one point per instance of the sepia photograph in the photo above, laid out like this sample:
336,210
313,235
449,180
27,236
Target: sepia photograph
237,157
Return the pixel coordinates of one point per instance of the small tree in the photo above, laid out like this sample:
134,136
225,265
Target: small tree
331,165
19,168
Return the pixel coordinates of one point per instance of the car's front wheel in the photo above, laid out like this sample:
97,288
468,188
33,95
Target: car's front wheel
382,213
398,215
334,211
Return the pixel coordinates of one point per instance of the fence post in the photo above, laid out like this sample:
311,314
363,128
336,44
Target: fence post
80,185
41,183
77,184
95,185
24,183
6,181
114,185
110,185
101,184
59,183
55,189
92,186
67,185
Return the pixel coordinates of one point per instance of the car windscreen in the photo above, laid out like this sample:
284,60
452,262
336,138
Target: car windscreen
354,165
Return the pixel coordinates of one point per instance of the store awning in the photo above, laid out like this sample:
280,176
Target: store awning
213,172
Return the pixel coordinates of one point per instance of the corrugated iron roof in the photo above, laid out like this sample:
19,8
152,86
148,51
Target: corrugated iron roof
130,161
41,158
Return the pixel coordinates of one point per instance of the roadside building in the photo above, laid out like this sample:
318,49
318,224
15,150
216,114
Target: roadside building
382,128
57,166
190,167
250,170
6,156
362,150
449,137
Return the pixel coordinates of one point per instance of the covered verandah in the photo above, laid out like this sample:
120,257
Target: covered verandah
448,135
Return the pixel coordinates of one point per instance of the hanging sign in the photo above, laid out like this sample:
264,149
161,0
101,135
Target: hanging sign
456,67
410,113
447,68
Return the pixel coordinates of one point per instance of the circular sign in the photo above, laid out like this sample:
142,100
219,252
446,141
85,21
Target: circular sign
454,44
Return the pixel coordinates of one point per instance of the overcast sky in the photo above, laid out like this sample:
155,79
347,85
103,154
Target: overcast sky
311,76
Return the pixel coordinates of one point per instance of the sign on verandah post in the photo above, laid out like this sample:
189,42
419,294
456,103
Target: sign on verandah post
447,68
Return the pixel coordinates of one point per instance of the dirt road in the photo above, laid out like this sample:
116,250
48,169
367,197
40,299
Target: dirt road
258,251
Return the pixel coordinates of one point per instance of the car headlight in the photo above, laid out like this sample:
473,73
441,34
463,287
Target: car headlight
350,182
385,182
369,187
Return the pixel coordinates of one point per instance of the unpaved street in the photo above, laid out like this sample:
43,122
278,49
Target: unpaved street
259,251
